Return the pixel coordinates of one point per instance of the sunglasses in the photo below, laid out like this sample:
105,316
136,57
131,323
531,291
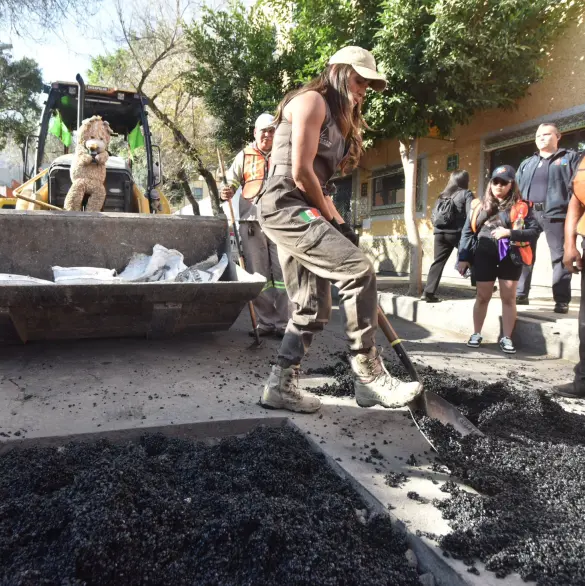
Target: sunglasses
501,182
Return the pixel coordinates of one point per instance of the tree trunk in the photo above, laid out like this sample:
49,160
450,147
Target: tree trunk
213,191
408,154
184,181
188,149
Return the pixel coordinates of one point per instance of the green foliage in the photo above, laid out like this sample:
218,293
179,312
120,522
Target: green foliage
246,59
445,59
448,59
110,68
20,84
315,29
236,70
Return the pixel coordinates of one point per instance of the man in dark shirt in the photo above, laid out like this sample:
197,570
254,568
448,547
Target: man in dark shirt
544,180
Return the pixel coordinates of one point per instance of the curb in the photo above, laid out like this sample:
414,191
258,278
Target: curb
533,334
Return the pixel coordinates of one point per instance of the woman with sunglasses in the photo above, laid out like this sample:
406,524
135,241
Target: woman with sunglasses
318,130
485,243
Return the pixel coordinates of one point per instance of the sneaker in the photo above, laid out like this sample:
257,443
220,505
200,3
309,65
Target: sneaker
281,391
429,298
522,300
561,308
507,346
474,340
570,391
262,332
374,385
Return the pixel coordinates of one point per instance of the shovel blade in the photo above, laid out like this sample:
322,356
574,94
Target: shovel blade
256,344
436,407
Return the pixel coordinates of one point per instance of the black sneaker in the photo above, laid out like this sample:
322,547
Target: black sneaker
570,391
522,300
506,345
429,298
561,308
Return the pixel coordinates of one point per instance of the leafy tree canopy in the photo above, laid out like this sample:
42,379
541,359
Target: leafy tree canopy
20,84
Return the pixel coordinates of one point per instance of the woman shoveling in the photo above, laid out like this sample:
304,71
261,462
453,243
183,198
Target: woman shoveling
319,130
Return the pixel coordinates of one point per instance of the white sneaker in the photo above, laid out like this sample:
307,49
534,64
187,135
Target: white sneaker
281,391
374,385
474,341
507,345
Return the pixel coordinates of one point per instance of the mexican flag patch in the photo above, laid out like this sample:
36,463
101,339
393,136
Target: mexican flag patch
309,215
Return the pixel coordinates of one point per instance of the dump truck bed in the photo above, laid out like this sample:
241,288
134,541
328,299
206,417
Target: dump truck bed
37,241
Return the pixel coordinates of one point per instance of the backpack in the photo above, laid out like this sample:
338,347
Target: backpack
444,213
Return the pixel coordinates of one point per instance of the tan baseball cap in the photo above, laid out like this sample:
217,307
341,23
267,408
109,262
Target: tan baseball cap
363,62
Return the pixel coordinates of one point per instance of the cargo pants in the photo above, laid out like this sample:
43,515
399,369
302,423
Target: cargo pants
313,254
272,305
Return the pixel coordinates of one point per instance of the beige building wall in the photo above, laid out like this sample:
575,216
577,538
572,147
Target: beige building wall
560,96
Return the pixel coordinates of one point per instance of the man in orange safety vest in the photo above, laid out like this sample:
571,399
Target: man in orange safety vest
249,170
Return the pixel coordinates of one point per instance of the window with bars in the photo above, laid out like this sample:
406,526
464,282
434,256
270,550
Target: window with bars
388,189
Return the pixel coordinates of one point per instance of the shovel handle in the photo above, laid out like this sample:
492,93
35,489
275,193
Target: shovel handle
240,249
39,202
396,344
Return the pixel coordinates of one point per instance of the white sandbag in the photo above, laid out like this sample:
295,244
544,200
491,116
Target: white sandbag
198,275
163,265
83,275
9,279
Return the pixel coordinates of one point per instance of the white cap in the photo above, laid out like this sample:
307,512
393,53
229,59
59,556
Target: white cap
363,62
264,121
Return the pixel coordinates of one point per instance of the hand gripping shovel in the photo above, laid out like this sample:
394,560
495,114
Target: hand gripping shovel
257,342
428,402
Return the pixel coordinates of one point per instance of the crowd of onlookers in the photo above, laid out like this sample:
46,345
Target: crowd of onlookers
496,235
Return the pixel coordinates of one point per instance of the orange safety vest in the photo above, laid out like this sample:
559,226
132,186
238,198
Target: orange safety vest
518,213
255,170
579,192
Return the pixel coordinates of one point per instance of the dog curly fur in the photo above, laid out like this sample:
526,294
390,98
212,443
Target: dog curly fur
88,169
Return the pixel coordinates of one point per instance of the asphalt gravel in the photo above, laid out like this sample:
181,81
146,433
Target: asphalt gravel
264,509
529,471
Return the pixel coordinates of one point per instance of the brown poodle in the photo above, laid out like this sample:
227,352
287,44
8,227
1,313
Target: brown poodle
88,169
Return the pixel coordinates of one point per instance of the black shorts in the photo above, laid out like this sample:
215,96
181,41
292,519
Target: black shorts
488,267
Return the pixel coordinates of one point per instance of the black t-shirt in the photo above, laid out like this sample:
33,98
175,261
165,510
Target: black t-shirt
490,224
539,183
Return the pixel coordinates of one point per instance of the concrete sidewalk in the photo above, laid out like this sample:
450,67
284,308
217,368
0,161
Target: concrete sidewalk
538,332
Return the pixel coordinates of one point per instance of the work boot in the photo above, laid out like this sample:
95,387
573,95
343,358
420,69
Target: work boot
561,307
570,391
374,385
281,391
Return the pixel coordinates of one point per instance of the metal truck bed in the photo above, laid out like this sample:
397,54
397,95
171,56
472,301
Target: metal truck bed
33,242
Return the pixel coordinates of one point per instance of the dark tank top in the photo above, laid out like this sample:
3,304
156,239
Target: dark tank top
330,153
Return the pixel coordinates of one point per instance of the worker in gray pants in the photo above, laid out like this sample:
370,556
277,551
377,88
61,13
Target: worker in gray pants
249,170
318,130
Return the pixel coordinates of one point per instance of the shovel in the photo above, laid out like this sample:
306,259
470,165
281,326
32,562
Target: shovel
428,402
257,342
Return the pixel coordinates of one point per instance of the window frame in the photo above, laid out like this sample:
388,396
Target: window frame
381,174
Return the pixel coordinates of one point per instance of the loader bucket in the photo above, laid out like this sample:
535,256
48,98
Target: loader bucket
33,242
